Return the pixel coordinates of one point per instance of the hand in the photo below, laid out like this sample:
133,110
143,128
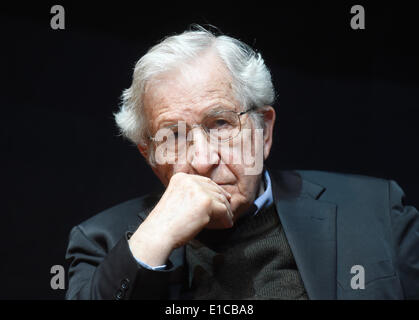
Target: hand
189,204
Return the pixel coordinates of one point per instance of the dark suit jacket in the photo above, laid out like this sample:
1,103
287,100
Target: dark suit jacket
332,222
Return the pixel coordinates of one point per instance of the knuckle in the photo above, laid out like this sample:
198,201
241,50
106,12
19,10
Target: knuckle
204,179
174,178
206,201
178,175
206,219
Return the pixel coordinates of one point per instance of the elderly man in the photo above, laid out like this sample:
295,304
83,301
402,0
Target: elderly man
200,111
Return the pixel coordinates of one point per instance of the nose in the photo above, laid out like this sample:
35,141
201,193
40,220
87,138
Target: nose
203,155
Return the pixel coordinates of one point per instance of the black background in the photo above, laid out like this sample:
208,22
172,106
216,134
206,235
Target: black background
348,101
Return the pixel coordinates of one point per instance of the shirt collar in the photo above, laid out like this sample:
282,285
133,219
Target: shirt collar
266,199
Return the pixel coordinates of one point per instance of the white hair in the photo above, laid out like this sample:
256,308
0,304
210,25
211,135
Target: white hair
252,83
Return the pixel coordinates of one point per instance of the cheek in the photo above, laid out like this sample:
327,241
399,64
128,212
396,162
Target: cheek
244,150
248,186
243,190
164,173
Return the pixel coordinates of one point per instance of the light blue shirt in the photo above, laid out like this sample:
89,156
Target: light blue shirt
266,199
263,201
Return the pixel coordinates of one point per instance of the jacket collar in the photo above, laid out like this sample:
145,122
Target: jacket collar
310,227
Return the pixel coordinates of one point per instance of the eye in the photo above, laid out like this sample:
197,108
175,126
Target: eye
220,123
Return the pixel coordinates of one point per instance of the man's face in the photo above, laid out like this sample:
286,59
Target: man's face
187,95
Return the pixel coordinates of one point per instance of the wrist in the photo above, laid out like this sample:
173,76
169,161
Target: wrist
151,249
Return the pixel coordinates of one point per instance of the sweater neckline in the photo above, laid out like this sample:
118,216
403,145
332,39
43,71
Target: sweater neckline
246,227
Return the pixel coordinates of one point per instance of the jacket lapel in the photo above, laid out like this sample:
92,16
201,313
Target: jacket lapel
310,227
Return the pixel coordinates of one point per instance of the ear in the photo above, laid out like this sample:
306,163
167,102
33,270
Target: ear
143,150
269,117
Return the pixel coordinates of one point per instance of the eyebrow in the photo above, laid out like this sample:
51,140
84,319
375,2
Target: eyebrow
217,109
212,110
168,123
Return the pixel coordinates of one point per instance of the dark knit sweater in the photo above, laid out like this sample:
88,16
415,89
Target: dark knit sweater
252,260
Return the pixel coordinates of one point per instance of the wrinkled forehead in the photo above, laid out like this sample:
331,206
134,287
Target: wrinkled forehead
189,91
